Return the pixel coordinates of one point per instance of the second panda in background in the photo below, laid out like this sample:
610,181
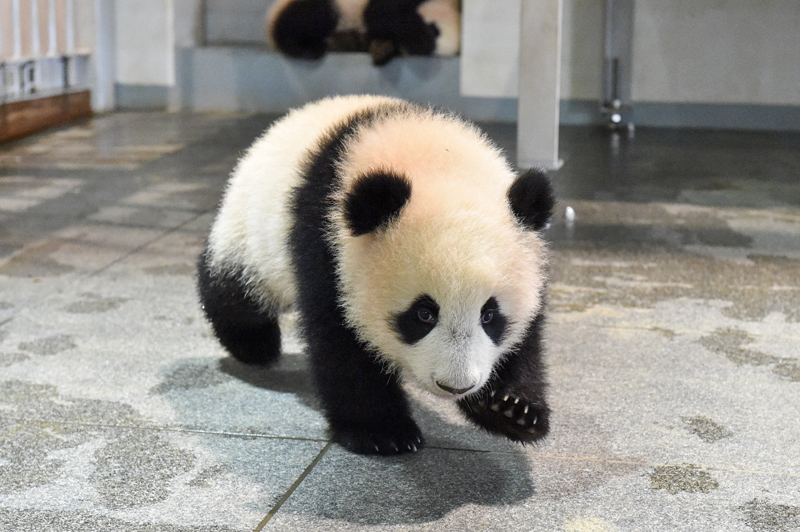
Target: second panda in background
411,250
307,29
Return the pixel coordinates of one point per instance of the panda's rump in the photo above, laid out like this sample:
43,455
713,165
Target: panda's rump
251,231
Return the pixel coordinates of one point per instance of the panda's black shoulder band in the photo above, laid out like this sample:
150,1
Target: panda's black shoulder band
374,200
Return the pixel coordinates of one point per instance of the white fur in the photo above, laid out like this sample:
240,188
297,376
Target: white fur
254,220
351,14
456,239
446,15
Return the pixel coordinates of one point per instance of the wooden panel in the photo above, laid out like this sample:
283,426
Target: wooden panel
18,119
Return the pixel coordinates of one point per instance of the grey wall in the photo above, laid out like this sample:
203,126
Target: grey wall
744,53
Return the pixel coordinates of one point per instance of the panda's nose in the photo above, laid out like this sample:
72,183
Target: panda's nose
454,391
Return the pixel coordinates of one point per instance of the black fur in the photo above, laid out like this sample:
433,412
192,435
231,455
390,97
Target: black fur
303,27
532,200
242,327
364,404
398,22
374,201
496,324
411,326
519,382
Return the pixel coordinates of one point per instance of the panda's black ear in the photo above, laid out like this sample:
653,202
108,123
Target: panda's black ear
532,200
374,201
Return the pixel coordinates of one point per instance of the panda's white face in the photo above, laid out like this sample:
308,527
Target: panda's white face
418,282
450,350
442,299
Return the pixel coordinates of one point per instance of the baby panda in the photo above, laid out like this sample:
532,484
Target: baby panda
411,250
306,29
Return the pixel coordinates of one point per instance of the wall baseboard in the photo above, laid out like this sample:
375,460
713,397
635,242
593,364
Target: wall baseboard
25,117
743,117
717,116
143,97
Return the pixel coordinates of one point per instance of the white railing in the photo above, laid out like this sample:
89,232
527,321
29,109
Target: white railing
38,53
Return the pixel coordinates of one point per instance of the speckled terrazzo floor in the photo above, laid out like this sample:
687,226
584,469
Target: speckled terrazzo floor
674,351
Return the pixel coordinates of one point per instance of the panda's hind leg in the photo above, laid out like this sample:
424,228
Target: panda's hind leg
250,334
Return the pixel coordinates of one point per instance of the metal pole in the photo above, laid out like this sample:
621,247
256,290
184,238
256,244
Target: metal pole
617,63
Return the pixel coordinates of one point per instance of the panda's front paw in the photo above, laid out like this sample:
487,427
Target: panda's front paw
369,439
503,412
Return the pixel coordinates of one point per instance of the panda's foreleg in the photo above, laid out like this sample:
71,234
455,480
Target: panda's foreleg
514,402
249,333
367,410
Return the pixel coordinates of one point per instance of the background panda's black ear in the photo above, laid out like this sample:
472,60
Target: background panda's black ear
374,201
532,200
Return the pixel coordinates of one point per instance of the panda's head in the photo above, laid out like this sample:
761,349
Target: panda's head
440,286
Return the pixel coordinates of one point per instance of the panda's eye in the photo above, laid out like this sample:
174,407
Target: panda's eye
417,321
493,321
425,315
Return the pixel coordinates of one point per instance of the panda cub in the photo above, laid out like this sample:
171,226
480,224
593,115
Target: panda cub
306,29
411,250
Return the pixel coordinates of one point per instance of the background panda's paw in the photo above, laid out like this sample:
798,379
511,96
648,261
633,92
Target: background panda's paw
505,413
398,439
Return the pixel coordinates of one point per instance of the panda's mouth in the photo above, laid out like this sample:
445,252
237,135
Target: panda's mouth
452,390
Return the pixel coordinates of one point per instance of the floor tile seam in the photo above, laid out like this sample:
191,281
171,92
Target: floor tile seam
641,463
163,234
190,430
130,225
156,428
657,329
587,459
83,276
285,497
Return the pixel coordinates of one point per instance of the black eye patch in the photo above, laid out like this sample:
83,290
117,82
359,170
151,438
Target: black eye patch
493,322
417,321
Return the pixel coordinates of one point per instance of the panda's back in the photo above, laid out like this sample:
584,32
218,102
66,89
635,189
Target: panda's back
251,230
